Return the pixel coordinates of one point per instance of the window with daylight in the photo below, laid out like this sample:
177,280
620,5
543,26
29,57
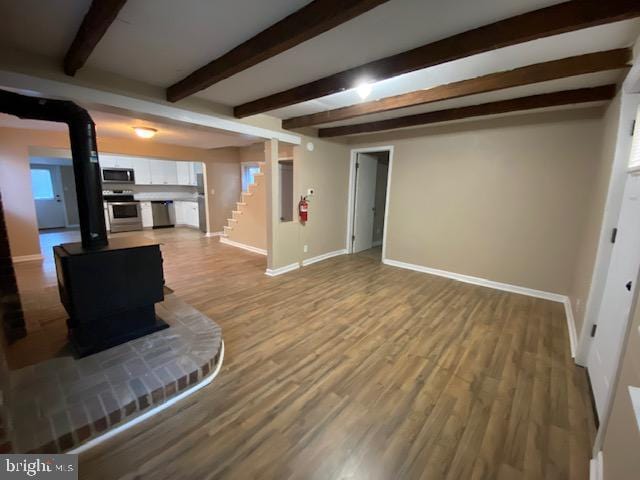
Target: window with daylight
248,172
41,184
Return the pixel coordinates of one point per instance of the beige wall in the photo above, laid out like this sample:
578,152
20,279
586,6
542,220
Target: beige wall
222,172
15,182
622,438
502,199
326,169
70,200
593,215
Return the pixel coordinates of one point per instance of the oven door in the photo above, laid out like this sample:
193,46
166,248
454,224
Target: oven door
118,175
124,216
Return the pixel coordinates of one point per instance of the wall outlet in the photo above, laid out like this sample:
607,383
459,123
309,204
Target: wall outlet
305,249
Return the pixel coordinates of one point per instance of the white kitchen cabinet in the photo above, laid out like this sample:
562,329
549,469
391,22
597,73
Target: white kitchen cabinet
147,216
115,161
193,219
163,172
187,213
183,170
141,171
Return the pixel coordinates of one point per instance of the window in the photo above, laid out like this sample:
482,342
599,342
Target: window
248,172
42,184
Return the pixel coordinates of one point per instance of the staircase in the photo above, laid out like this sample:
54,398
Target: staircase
247,227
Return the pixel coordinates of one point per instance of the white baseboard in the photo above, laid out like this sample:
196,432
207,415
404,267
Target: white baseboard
596,471
279,271
571,326
324,256
249,248
214,234
483,282
27,258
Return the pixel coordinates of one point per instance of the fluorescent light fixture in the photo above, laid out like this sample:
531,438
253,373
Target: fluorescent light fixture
145,132
364,89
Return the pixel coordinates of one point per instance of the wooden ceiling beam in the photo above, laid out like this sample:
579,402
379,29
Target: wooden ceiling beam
539,72
100,16
310,21
553,20
566,97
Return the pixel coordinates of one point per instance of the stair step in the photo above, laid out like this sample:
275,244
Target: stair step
247,194
240,204
233,220
227,228
260,174
236,213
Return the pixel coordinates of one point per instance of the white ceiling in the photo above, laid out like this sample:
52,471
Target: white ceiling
160,41
111,125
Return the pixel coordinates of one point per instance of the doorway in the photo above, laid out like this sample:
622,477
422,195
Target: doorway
53,189
369,184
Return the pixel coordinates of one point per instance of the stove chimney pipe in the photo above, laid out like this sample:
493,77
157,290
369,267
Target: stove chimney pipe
84,151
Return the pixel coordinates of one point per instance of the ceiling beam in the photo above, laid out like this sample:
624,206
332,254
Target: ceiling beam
100,16
553,20
566,97
539,72
310,21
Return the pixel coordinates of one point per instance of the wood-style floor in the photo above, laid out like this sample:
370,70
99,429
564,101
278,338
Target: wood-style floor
349,369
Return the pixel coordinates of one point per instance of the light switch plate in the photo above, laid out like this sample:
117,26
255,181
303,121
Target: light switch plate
305,249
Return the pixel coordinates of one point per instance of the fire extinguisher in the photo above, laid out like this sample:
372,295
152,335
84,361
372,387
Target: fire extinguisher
303,209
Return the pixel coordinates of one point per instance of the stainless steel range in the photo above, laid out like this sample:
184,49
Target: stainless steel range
124,211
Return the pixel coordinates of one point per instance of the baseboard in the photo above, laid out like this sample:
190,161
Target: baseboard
273,272
571,326
324,256
249,248
596,471
214,234
27,258
483,282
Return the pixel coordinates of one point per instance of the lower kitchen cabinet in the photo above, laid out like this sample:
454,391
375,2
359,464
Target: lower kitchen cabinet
187,213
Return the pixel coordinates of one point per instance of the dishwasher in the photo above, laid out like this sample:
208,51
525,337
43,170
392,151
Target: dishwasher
163,213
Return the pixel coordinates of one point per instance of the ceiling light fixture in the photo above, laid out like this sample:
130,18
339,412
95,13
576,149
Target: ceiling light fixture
364,89
145,132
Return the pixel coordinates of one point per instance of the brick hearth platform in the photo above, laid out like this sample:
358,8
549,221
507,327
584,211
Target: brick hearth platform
59,404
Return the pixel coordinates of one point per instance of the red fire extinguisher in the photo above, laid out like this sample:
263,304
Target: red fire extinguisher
303,209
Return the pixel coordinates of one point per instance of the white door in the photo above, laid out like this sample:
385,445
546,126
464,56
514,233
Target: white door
604,355
365,200
47,194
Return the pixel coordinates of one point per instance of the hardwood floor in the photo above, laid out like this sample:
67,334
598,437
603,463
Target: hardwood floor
352,369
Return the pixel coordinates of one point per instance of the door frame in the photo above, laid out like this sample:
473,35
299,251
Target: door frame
352,194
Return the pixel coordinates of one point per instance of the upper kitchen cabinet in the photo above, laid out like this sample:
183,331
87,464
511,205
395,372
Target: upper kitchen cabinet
142,171
186,173
115,161
163,172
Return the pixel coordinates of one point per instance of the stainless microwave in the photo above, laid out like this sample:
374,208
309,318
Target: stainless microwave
118,175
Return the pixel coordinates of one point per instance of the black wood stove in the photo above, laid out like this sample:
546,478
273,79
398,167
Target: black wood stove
108,288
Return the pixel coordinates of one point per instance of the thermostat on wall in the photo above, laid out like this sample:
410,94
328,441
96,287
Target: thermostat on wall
310,146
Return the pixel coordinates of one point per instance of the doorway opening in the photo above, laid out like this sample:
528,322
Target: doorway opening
369,186
53,187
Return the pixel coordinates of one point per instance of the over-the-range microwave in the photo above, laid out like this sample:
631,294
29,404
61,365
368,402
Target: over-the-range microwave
118,175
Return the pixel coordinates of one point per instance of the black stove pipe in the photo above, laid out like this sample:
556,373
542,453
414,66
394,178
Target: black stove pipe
84,151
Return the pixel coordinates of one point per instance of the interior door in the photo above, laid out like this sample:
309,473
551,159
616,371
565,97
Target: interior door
47,194
613,318
365,199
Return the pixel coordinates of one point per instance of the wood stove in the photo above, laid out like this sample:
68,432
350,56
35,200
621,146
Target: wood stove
108,288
